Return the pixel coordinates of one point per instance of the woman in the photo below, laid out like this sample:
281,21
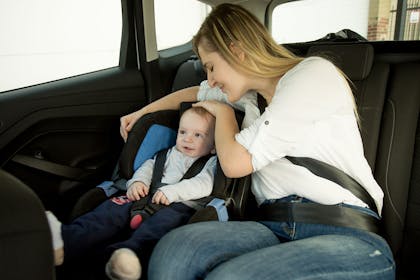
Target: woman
311,113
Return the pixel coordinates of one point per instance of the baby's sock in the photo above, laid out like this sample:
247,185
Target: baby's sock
57,239
123,265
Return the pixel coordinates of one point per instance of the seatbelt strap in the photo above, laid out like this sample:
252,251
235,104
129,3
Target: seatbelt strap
335,175
262,103
158,170
314,213
196,167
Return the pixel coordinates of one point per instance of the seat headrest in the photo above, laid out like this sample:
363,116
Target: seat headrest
168,118
354,60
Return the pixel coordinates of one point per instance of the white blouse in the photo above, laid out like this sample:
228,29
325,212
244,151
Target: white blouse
310,115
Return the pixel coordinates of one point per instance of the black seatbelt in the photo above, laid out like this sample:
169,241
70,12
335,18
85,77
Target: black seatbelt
158,170
337,176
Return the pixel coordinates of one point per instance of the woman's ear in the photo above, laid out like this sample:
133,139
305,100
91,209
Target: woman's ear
236,49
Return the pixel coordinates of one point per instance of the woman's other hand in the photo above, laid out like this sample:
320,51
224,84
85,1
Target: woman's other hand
127,122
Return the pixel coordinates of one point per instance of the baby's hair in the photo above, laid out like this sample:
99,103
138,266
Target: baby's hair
201,112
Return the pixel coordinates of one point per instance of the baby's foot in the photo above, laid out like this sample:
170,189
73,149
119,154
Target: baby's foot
123,265
57,239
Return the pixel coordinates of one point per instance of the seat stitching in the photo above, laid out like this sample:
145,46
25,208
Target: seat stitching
388,162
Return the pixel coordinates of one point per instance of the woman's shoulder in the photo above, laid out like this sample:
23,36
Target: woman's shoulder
316,63
312,67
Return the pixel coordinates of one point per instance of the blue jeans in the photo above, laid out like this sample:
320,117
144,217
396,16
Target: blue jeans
270,250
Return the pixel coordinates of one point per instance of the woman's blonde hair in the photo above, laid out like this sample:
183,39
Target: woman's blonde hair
230,25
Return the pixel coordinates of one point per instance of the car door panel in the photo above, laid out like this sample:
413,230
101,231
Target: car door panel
62,138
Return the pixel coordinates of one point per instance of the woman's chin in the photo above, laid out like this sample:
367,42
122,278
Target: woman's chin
231,98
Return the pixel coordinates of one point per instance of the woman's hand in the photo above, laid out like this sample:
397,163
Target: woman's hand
234,159
127,122
137,190
168,102
213,107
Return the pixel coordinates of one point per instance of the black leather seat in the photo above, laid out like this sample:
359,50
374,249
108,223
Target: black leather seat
387,91
25,240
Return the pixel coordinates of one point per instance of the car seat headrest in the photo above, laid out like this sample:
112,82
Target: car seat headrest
167,118
354,60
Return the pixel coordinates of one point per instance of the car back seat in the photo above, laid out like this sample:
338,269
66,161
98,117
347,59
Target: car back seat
189,73
398,165
388,99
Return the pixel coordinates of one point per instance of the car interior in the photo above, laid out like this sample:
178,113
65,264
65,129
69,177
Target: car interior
60,139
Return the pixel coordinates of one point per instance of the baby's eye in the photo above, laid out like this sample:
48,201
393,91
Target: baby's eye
181,131
198,135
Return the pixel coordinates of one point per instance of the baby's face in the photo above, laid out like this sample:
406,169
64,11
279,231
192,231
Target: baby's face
195,135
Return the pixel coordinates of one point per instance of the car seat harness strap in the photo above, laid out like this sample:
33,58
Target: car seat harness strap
144,206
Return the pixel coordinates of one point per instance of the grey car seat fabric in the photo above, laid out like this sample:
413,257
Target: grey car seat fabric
25,241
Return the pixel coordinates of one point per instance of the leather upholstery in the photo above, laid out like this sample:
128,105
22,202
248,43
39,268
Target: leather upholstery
25,241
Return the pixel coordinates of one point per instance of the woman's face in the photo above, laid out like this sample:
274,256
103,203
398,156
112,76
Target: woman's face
221,74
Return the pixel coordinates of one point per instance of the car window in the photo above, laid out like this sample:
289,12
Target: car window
178,21
374,20
46,40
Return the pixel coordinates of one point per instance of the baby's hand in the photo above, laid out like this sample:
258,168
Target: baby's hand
137,190
160,198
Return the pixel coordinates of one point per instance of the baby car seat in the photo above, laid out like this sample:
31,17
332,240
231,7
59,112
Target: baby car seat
142,144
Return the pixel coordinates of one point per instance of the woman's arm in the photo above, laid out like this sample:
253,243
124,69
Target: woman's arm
170,101
234,159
